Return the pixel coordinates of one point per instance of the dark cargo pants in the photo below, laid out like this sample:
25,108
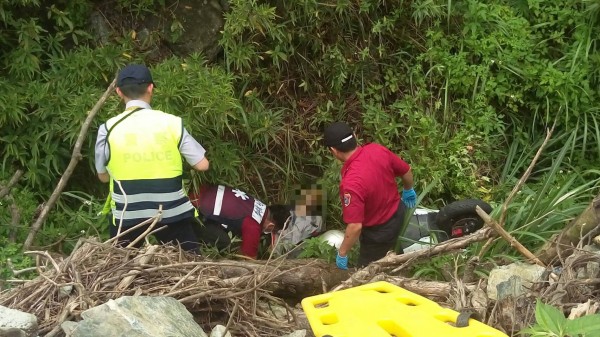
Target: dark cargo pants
376,241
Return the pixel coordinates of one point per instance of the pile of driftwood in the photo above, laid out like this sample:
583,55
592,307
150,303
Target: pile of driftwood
216,292
233,292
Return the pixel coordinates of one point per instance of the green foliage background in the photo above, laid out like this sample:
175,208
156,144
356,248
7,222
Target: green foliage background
461,90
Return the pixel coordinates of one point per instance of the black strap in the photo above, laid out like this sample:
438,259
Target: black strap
120,120
108,131
180,135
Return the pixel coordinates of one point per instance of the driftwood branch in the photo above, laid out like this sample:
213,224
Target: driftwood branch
13,180
75,158
142,236
564,242
129,230
427,288
430,289
126,282
506,235
393,261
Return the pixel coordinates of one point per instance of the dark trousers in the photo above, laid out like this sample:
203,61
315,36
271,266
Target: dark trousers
180,232
376,241
211,233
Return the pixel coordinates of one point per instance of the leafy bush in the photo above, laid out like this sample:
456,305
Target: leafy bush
551,322
26,206
319,248
12,259
447,85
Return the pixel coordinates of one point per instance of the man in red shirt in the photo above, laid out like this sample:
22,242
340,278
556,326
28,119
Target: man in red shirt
225,209
372,208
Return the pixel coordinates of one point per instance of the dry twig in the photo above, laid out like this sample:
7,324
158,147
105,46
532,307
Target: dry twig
506,235
75,158
395,262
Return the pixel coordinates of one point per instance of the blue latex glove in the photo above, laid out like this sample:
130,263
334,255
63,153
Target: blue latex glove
410,198
341,261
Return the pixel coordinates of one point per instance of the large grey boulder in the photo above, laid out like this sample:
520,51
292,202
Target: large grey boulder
12,332
12,320
513,280
202,23
188,26
136,316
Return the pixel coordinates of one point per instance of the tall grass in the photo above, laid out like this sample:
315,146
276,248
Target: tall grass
552,197
555,193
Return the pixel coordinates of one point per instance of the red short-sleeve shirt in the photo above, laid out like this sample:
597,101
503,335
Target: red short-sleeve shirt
368,189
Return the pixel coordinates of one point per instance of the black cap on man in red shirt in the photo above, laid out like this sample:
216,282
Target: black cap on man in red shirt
340,136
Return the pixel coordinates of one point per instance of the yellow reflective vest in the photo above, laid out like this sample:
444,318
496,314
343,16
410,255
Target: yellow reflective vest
145,167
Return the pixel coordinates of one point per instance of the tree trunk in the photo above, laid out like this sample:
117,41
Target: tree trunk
303,278
562,244
295,279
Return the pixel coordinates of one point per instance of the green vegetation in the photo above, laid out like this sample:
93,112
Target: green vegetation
319,248
551,322
464,91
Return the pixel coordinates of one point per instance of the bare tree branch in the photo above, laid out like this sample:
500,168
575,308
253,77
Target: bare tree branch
517,188
393,261
506,235
75,158
6,189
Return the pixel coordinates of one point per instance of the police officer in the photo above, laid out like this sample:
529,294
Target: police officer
225,209
372,208
139,153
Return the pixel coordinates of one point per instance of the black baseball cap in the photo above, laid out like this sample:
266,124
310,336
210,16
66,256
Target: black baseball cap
134,74
337,133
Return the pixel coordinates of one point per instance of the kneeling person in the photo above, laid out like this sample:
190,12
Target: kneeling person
224,209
